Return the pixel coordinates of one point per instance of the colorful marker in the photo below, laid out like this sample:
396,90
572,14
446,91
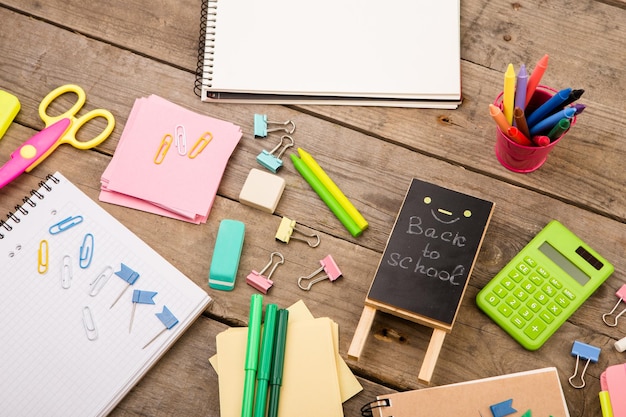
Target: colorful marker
535,77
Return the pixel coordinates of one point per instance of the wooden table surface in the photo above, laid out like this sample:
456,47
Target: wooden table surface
120,50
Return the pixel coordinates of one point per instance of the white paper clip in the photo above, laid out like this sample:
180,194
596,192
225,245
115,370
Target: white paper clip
261,122
89,324
621,293
180,140
271,161
66,272
99,281
583,351
287,228
329,266
65,224
86,251
261,282
42,257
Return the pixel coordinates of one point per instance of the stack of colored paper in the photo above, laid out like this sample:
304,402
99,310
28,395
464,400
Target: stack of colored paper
316,380
169,161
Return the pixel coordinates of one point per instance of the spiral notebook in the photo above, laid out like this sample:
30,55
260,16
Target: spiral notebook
401,53
73,280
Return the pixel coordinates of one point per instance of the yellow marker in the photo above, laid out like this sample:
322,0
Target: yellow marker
333,189
508,95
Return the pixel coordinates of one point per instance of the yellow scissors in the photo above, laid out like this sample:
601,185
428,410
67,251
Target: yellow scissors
75,122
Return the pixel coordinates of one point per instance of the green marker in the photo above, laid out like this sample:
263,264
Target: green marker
326,196
276,375
265,361
252,353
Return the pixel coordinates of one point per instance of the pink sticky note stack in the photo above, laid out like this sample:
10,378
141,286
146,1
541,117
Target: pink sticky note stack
178,186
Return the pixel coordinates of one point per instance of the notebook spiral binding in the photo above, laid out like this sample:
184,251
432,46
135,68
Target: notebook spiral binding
368,409
30,200
206,44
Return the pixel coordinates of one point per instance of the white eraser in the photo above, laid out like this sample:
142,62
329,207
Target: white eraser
262,190
620,345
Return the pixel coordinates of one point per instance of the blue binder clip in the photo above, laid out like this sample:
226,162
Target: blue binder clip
583,351
261,130
271,161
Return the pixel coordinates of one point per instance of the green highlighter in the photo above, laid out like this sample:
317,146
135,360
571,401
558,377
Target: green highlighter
276,374
265,360
226,255
543,285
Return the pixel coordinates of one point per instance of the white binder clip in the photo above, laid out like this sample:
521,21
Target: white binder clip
287,228
328,266
621,293
261,130
583,351
271,161
261,282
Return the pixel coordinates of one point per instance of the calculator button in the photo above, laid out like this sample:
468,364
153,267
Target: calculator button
533,305
525,313
515,276
513,302
535,328
505,310
549,290
556,283
518,321
528,286
508,283
541,297
492,299
547,317
523,268
562,301
500,291
521,294
535,279
554,309
541,271
530,261
569,294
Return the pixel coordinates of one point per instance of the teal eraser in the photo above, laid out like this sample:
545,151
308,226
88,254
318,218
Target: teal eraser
226,255
9,107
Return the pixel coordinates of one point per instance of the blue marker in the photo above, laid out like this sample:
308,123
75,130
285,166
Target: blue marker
549,122
548,107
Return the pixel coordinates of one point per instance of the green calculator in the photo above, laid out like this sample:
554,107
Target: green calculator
533,295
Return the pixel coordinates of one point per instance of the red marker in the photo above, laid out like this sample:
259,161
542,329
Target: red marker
535,77
541,140
517,136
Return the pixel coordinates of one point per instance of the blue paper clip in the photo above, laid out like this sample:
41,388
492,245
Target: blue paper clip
261,130
65,224
86,251
583,351
271,161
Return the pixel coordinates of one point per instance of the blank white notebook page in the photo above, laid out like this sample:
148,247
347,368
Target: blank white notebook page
53,363
391,48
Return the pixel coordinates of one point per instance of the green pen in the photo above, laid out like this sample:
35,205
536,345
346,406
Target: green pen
326,196
252,353
276,374
265,361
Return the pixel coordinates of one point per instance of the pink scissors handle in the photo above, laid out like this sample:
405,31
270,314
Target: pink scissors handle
31,150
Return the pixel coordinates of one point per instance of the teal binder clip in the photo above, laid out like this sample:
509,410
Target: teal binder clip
226,255
261,130
271,161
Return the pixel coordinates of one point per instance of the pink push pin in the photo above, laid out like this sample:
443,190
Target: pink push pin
621,293
261,282
329,266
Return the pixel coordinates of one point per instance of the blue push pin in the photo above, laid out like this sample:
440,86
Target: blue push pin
271,161
168,320
261,130
502,409
583,351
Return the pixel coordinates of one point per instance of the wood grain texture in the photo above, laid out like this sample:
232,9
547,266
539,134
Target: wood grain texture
119,51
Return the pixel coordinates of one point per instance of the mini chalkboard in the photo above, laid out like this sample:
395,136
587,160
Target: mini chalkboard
428,260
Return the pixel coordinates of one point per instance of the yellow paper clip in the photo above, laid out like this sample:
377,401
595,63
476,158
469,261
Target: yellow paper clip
42,257
200,144
166,142
287,228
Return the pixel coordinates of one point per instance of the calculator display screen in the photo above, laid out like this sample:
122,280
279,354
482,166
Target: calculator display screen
570,268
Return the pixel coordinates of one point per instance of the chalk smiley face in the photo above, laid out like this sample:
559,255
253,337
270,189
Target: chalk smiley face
443,215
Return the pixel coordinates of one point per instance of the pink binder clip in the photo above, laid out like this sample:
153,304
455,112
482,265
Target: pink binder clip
621,293
261,282
329,266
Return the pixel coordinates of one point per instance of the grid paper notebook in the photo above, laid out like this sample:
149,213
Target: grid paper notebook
402,53
52,361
